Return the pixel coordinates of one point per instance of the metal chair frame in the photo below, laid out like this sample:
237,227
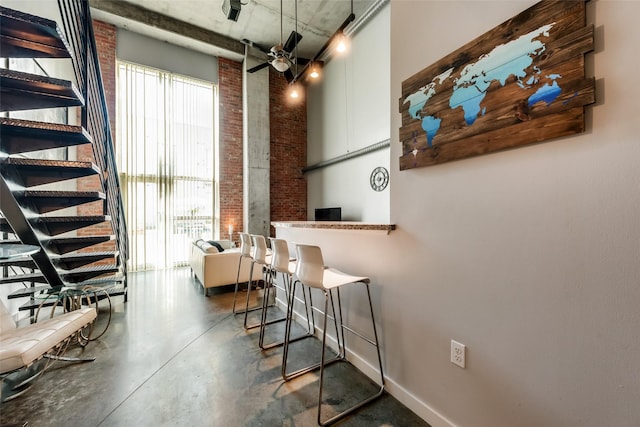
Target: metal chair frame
313,274
259,256
245,252
281,263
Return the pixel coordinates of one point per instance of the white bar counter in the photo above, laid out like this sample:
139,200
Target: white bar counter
356,248
335,225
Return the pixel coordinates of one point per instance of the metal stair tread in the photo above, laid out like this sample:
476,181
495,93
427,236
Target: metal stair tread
79,255
81,274
43,35
29,277
54,225
28,291
21,136
63,245
81,218
108,283
106,267
34,303
45,201
79,259
25,91
48,163
58,240
20,262
63,193
31,172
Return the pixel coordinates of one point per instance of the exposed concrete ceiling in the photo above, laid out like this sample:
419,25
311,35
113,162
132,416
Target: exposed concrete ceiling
201,25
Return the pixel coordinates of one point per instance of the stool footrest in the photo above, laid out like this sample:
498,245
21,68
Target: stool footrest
310,368
279,343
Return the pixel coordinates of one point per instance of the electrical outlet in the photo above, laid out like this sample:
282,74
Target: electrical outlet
458,353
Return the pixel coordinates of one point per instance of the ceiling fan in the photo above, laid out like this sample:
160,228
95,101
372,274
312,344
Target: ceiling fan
281,56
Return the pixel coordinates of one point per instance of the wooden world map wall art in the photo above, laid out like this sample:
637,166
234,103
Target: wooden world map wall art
520,83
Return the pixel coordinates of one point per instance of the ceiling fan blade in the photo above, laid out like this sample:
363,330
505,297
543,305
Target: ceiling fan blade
292,41
301,61
262,48
288,75
256,45
258,67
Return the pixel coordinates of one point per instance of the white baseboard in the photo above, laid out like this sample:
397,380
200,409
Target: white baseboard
424,411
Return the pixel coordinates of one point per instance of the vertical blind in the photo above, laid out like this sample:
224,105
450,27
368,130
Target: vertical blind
166,157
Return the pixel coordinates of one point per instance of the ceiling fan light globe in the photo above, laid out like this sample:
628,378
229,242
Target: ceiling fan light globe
281,64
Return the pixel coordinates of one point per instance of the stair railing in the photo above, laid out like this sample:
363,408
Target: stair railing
78,27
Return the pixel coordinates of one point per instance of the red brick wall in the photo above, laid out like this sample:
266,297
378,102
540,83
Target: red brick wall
230,108
288,128
105,35
106,42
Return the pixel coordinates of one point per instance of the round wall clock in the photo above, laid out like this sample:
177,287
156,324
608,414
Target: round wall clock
379,178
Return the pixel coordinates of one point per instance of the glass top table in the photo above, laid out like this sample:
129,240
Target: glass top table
15,250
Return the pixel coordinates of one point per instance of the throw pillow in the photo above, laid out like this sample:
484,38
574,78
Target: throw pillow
209,249
217,245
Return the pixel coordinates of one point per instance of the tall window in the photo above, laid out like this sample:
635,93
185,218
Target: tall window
165,148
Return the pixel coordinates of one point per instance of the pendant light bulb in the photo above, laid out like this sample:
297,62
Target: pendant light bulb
341,45
314,72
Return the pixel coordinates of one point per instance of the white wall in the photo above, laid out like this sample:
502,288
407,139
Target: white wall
346,111
530,257
144,50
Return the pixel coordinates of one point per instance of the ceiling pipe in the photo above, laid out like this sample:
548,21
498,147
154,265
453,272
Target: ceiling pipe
353,29
365,17
350,155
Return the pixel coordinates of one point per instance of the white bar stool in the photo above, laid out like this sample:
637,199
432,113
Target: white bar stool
260,256
311,272
282,263
245,254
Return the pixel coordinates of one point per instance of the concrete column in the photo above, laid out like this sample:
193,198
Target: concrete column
256,152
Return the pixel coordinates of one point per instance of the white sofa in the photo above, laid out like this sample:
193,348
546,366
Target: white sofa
214,268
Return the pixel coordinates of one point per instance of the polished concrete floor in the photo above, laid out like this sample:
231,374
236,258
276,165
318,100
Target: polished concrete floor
172,357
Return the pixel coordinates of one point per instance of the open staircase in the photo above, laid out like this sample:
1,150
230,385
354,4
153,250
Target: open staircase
48,196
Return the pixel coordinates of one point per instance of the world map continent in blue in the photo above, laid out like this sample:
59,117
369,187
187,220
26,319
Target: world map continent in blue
470,85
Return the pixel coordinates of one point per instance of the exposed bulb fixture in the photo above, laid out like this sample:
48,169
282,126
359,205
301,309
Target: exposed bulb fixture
341,43
314,74
293,91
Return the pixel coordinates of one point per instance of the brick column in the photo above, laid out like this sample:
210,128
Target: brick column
288,123
231,163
